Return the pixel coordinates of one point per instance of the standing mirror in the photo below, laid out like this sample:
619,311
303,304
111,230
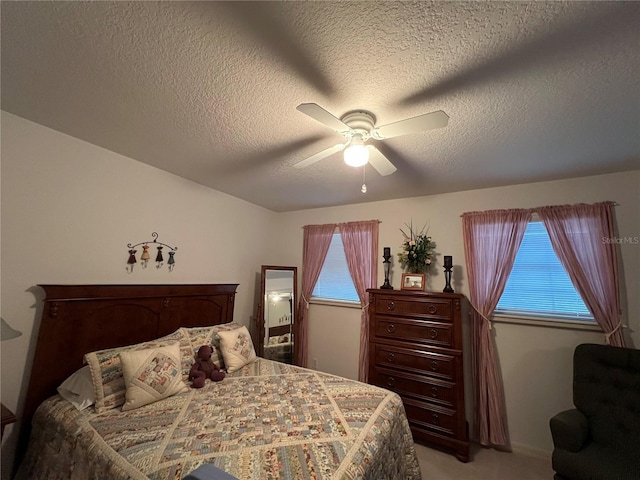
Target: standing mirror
276,313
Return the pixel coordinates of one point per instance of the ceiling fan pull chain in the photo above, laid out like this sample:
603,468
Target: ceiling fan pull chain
364,185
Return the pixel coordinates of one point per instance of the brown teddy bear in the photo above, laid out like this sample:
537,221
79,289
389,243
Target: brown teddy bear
204,368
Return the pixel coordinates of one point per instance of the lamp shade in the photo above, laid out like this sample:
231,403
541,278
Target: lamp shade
357,153
6,332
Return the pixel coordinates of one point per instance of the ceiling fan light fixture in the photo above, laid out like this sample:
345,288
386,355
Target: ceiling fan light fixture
357,153
357,127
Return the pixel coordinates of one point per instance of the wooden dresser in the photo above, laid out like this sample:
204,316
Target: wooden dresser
415,350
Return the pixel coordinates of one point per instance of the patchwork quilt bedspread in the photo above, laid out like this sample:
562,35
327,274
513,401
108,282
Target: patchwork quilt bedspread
278,351
266,421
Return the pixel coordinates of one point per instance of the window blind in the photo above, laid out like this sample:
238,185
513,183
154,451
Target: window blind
538,284
335,281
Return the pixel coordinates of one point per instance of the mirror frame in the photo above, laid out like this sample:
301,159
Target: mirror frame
261,309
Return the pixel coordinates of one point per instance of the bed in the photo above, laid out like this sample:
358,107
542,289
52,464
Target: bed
279,344
280,350
265,419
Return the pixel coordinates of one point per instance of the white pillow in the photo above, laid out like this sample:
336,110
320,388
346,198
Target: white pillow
237,348
78,389
151,375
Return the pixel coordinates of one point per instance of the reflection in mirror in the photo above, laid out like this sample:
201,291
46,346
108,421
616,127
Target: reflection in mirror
277,313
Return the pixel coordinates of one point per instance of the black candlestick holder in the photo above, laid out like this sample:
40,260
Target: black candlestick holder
387,267
448,266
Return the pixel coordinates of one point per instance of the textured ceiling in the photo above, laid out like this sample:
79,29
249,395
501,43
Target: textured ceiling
208,90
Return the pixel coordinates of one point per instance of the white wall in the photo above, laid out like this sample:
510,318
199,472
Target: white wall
536,361
70,208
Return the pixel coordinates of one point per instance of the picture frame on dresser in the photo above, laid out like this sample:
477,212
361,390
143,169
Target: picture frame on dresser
413,281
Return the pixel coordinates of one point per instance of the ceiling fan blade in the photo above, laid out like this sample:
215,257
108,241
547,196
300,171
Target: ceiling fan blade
428,121
320,155
319,114
380,162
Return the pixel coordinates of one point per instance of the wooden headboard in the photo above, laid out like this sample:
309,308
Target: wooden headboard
77,319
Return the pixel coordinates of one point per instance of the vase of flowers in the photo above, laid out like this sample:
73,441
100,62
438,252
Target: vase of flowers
417,250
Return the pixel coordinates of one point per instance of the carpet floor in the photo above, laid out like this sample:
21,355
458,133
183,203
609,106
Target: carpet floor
485,464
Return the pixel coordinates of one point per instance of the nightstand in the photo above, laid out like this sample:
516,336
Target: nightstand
7,418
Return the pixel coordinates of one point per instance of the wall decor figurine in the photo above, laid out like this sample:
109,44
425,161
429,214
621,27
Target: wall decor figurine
146,256
131,260
159,259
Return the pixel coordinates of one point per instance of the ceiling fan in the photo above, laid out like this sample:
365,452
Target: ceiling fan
357,127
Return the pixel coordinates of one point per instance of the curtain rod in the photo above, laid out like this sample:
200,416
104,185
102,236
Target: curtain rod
535,209
338,223
615,204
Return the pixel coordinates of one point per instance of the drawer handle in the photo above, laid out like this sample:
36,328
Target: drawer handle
436,419
432,309
391,328
391,356
434,365
433,333
391,381
391,306
434,392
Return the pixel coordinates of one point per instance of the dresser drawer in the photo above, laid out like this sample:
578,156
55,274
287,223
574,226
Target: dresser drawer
388,305
418,386
421,362
430,417
406,329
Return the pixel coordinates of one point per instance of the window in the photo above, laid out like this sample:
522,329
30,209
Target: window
335,281
538,285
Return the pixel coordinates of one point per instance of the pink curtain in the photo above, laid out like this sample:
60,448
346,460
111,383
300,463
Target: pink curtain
360,240
491,242
316,242
579,235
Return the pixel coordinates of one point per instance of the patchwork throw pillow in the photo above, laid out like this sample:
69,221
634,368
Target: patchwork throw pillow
237,348
199,336
151,375
106,368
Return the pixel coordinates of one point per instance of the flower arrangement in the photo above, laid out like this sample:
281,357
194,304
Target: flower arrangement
417,250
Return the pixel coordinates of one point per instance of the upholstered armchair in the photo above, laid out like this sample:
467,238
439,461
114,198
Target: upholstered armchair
600,438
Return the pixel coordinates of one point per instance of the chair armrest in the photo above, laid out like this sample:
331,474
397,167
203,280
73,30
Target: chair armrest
569,430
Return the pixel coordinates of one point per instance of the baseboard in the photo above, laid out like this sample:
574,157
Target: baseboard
530,451
520,449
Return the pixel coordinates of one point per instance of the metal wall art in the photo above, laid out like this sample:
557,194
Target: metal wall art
145,256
